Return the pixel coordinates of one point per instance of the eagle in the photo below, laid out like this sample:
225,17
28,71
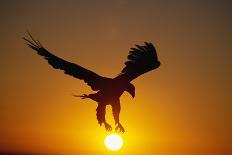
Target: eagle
141,59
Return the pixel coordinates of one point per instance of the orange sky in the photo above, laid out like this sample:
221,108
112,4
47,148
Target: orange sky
181,108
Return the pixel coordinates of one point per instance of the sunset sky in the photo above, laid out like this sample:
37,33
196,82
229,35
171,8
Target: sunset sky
182,108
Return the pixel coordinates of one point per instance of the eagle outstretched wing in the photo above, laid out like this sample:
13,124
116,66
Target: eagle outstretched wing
140,60
94,80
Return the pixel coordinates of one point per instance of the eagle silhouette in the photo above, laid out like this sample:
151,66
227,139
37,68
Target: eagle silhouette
141,59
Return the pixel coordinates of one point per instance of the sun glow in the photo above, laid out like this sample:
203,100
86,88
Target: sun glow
113,142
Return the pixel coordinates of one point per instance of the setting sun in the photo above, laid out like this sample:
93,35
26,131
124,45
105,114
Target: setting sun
113,142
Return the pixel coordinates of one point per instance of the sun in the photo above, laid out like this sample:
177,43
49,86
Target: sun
113,142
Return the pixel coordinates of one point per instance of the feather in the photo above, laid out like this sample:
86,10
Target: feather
140,60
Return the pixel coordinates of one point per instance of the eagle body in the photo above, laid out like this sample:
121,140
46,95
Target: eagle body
141,59
111,92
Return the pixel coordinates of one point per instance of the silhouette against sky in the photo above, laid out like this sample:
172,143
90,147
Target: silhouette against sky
140,60
183,108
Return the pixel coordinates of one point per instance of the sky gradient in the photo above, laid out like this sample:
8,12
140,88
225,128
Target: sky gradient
183,107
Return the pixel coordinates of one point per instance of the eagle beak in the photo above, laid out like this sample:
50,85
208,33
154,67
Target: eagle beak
131,90
133,95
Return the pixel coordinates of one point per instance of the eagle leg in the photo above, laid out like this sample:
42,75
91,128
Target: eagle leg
101,111
116,108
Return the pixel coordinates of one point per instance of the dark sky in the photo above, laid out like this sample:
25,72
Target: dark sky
181,108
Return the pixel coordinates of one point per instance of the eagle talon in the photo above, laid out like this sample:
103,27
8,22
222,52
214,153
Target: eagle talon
119,128
108,127
84,96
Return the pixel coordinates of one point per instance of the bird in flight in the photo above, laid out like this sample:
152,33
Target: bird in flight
141,59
